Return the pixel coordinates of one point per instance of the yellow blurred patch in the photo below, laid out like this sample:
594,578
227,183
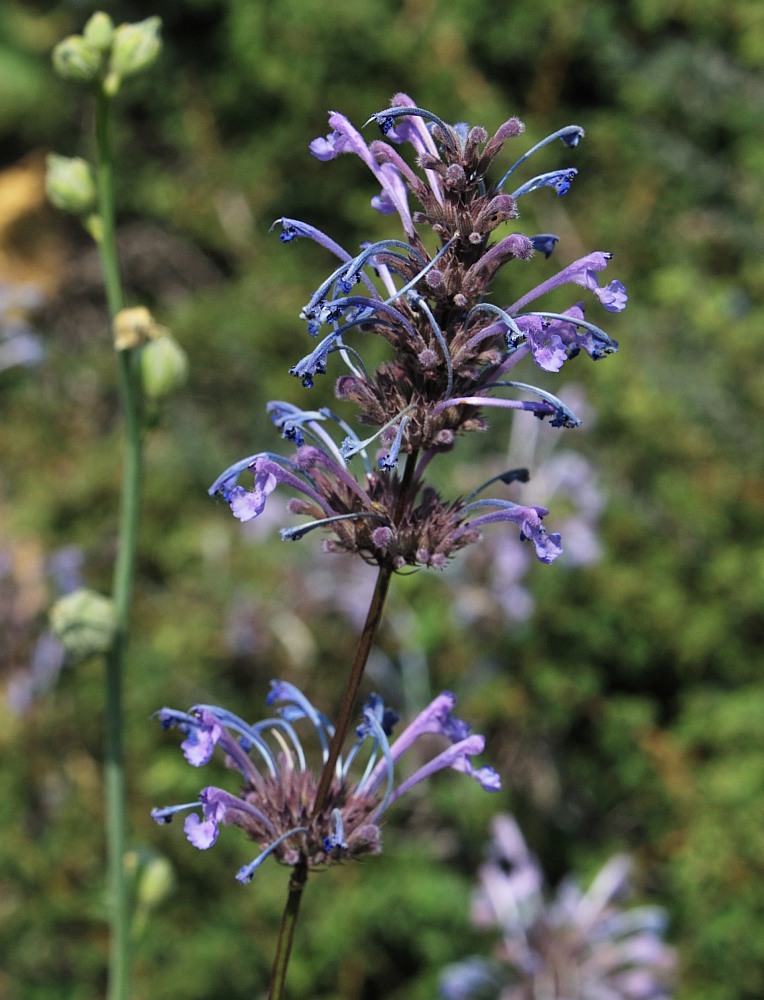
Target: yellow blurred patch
31,246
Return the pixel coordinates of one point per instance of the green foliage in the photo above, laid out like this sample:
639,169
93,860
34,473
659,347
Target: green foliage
626,714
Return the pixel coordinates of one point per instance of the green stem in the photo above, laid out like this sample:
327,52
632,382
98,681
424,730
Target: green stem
124,573
286,931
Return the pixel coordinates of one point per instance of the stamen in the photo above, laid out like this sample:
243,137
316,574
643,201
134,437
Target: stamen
284,746
172,717
352,445
276,724
337,837
510,476
351,436
295,534
570,135
389,769
386,121
390,460
284,691
374,248
504,316
545,243
560,180
420,303
245,874
165,815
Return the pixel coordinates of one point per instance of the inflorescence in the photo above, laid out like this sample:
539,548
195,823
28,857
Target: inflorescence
275,804
452,349
577,945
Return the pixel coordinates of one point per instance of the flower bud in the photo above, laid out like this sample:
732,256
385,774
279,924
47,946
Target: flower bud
135,326
77,59
70,184
85,622
99,31
135,47
156,881
164,367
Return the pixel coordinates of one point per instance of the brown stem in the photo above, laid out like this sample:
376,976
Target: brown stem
406,484
373,618
299,875
297,883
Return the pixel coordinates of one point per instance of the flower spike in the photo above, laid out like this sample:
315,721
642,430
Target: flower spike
275,808
448,348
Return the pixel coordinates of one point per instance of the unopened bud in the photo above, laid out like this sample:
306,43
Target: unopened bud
70,184
156,882
135,47
76,59
135,326
164,367
99,31
85,622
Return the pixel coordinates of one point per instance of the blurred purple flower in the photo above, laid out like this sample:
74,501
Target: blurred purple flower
577,946
19,344
35,658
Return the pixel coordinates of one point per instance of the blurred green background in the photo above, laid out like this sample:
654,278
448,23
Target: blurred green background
625,710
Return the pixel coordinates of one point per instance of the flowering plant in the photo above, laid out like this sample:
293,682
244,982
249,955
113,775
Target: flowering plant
452,349
577,946
275,808
451,355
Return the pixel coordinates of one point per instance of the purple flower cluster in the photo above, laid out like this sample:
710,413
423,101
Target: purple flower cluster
578,946
452,350
275,804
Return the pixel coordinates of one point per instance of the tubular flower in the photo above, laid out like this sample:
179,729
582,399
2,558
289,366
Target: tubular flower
579,946
452,348
364,519
274,806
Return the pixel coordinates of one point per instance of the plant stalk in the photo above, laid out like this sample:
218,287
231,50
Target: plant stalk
345,712
300,873
297,883
366,640
124,574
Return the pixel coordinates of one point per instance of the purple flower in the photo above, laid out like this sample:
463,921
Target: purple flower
579,946
274,807
364,517
331,146
450,348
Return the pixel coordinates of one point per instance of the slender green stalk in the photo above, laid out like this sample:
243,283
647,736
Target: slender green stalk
124,573
297,883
